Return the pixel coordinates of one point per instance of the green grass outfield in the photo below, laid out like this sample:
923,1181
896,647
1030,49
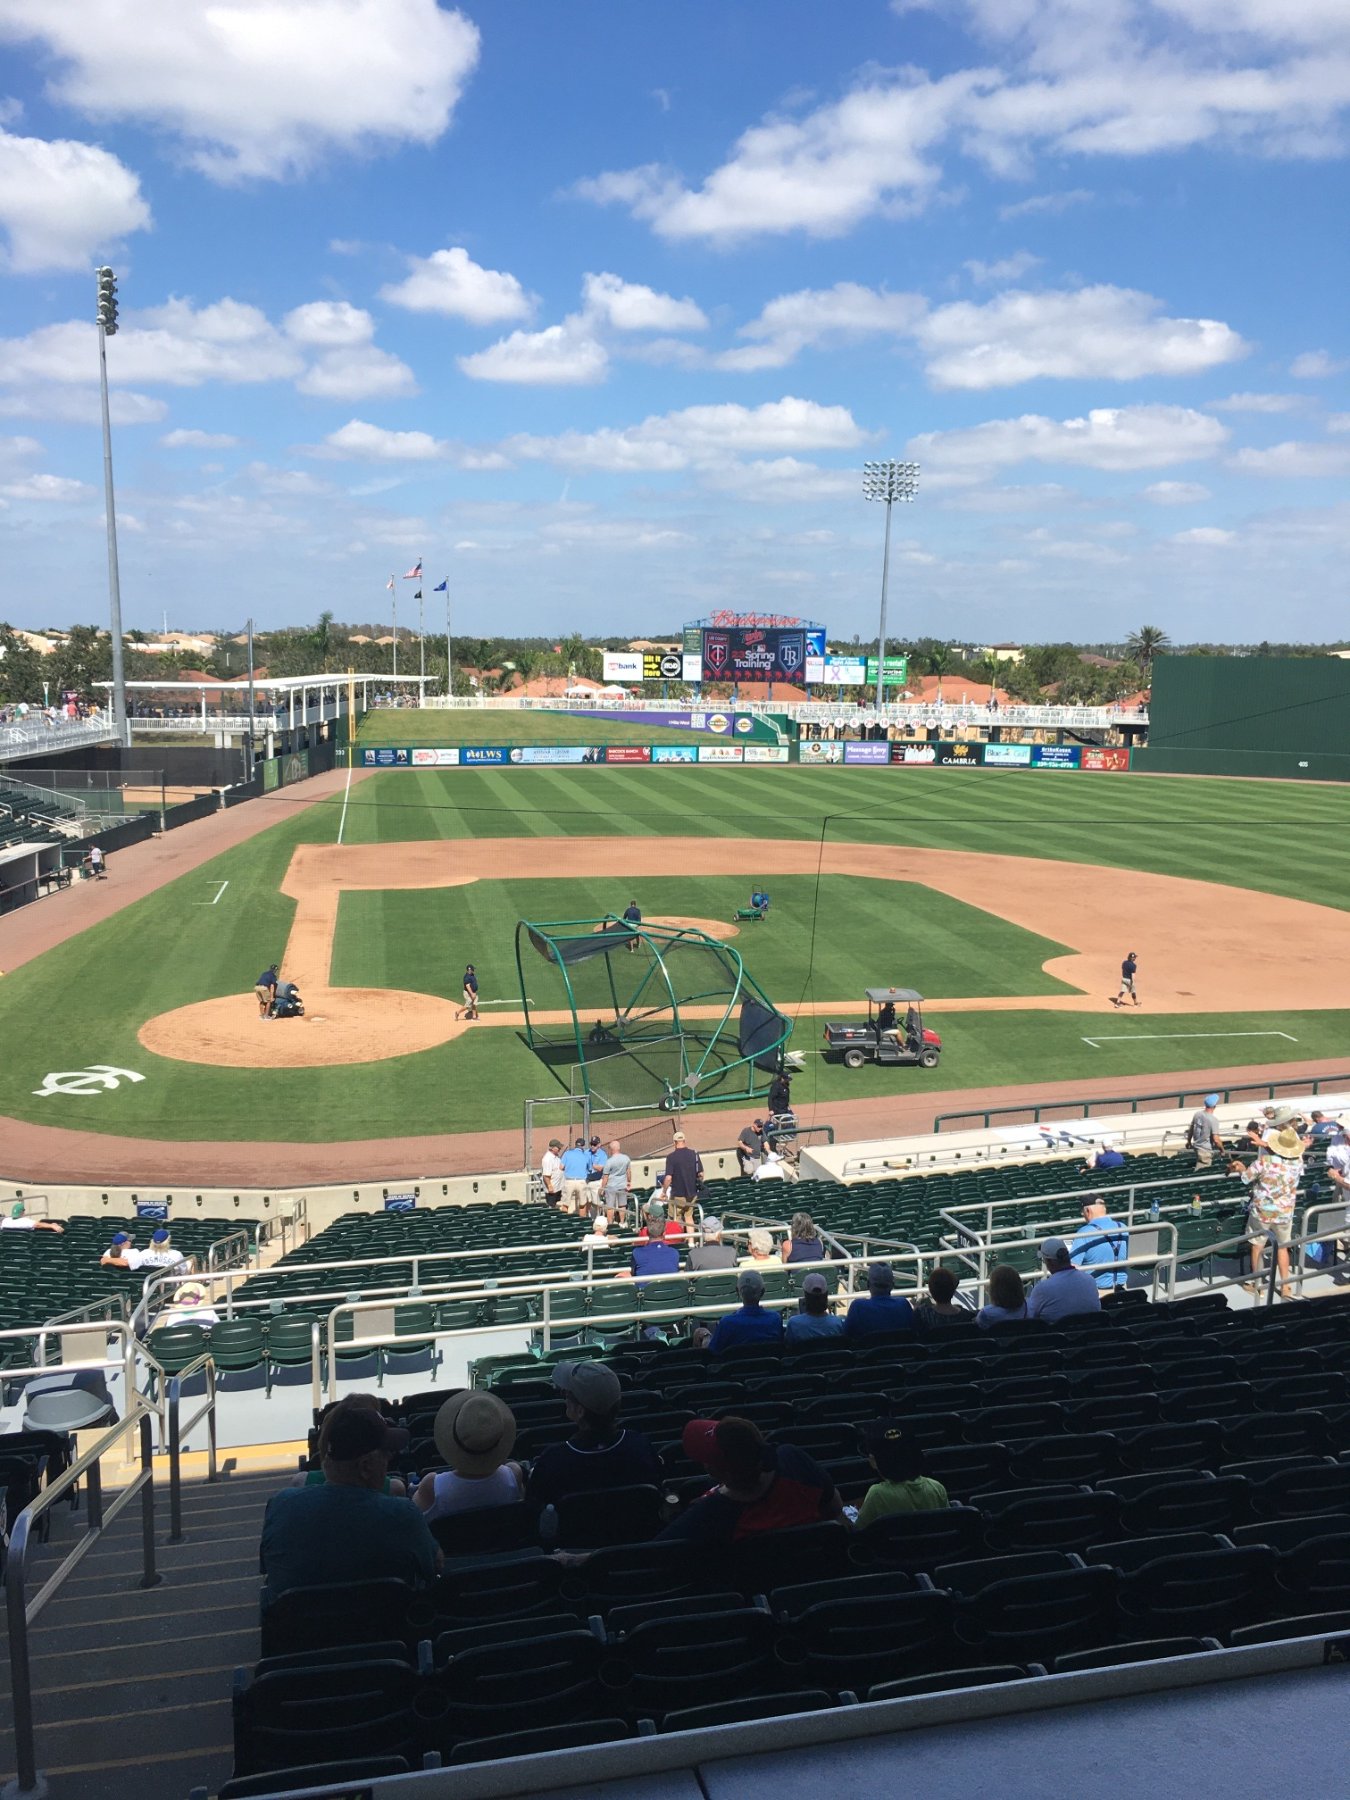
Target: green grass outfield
83,1002
396,727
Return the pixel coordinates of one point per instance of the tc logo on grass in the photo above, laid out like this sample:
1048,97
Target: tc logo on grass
96,1079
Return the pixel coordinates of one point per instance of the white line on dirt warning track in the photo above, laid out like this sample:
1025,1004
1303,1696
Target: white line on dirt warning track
1158,1037
342,822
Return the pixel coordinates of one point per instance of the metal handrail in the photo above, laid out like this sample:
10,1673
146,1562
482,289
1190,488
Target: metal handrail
1305,1084
217,1248
21,1612
88,1312
178,1431
1082,1195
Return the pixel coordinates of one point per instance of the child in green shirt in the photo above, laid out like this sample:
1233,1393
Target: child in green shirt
902,1486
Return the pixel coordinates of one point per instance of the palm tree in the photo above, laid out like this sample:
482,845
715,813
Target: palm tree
939,659
322,639
1144,644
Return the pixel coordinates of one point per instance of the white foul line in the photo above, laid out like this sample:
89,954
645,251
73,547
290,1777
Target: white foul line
342,822
1155,1037
220,890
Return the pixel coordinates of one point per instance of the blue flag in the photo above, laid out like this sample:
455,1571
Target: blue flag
440,586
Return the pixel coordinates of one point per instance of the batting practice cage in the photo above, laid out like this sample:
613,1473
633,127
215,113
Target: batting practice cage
637,1016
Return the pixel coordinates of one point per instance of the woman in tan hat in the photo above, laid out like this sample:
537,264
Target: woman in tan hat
475,1433
1272,1195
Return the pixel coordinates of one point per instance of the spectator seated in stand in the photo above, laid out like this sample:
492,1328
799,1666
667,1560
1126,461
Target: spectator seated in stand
656,1256
901,1485
397,1439
758,1250
598,1235
751,1323
346,1529
657,1224
601,1452
475,1433
161,1254
805,1243
19,1220
1007,1301
191,1306
712,1253
1100,1239
879,1312
761,1486
813,1318
1107,1155
939,1308
1063,1290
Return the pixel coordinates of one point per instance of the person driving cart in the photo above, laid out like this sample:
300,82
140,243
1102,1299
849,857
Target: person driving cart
886,1019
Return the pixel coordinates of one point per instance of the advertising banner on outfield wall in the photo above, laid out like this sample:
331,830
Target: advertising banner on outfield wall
721,753
776,753
1115,759
628,753
555,753
815,752
386,759
1054,756
1008,755
622,665
959,756
675,753
867,753
835,671
914,753
483,755
436,759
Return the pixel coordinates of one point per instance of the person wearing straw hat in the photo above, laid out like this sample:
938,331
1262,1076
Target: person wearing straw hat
475,1433
1272,1194
191,1306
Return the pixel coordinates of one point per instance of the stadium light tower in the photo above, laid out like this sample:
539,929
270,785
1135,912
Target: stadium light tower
107,327
888,481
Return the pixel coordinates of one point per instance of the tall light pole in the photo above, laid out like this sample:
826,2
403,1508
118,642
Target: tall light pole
107,327
888,481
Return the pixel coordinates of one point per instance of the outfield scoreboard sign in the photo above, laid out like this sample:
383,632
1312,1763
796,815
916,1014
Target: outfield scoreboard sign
755,653
897,670
629,667
836,671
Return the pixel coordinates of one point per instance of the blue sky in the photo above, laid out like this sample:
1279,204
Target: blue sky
598,308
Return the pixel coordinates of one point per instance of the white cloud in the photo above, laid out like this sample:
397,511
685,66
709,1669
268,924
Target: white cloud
697,435
1176,493
629,306
846,312
1207,536
1095,332
1052,204
781,481
19,449
566,355
1295,459
1113,438
47,487
1338,422
79,406
1259,403
189,438
1313,364
451,282
252,87
1008,268
61,201
328,325
360,442
360,373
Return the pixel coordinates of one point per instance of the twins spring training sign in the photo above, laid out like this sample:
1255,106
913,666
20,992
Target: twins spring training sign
750,654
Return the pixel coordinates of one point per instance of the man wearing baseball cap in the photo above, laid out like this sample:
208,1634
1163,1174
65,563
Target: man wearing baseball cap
751,1323
346,1528
1202,1134
880,1313
1063,1290
760,1486
813,1319
601,1452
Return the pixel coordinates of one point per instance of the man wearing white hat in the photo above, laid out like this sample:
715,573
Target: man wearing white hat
1272,1194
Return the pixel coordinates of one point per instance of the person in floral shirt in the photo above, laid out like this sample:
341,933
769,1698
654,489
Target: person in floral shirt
1272,1184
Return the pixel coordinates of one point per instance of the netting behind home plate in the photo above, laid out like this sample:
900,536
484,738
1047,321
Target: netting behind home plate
646,1015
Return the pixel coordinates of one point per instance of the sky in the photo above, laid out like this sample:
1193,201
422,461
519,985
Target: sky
598,309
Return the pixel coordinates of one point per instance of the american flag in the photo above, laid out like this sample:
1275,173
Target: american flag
415,573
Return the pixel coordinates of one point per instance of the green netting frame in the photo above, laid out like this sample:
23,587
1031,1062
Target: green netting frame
646,1015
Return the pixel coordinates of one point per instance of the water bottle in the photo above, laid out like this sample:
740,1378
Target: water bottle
548,1527
1155,1210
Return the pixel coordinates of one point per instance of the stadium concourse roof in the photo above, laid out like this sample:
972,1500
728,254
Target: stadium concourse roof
278,683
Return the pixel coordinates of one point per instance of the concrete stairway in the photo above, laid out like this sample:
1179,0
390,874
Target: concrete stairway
132,1685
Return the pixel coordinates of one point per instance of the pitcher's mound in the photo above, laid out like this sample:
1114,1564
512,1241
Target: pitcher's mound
341,1025
714,928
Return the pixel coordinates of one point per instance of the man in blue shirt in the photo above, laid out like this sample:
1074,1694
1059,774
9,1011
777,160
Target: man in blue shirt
1107,1155
881,1312
347,1529
750,1324
1063,1290
655,1257
576,1168
1100,1239
633,918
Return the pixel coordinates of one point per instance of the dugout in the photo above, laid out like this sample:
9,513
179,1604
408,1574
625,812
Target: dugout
645,1016
1282,716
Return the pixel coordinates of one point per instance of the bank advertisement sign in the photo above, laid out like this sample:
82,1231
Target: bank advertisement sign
867,753
621,665
1008,755
674,753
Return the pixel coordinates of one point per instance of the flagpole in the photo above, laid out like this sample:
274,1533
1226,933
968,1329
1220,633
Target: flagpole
394,591
449,661
421,643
